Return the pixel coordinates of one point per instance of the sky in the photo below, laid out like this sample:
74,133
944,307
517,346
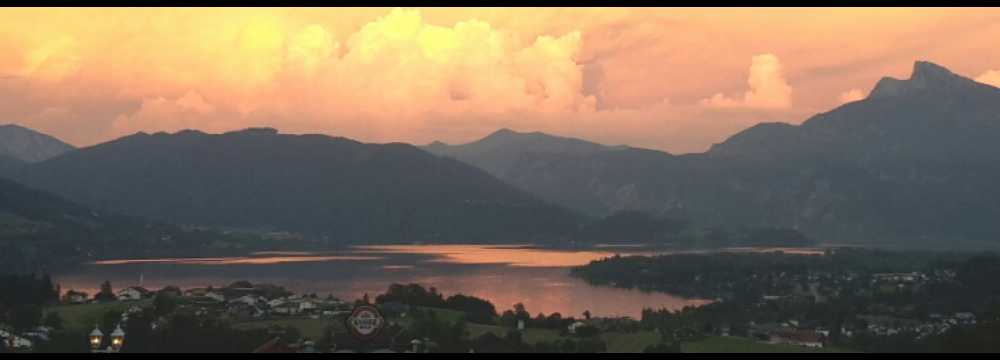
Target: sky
673,79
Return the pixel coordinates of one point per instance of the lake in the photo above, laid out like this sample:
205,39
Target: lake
503,274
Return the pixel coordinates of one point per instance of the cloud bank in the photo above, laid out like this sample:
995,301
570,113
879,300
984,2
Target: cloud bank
670,79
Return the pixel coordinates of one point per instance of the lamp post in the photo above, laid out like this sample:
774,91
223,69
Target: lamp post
117,339
96,337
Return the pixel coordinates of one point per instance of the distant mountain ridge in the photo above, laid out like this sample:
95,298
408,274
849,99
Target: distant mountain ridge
27,145
913,163
490,152
40,232
334,188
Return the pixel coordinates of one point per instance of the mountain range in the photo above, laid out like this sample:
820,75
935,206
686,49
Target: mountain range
40,231
914,163
337,189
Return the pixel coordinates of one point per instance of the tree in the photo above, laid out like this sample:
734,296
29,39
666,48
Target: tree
164,304
586,314
520,313
53,320
106,294
69,294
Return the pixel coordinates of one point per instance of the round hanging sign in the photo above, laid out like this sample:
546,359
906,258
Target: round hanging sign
365,322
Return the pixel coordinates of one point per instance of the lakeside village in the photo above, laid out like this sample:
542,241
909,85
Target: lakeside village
844,300
280,320
859,299
281,314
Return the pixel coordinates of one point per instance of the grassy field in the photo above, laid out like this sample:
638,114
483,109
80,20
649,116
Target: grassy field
630,343
727,344
313,328
617,342
529,336
85,316
310,328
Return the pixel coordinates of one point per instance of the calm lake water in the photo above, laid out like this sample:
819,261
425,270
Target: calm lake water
507,274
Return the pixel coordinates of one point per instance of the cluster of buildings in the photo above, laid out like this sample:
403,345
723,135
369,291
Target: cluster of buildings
251,306
240,301
790,333
934,325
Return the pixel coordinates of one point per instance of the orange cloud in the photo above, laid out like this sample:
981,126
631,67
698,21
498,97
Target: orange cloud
768,88
851,96
90,74
991,77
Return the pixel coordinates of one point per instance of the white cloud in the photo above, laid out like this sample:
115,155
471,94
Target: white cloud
189,111
768,88
851,96
991,77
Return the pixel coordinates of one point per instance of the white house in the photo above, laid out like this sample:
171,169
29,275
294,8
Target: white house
76,297
287,309
217,297
306,306
247,299
572,327
130,294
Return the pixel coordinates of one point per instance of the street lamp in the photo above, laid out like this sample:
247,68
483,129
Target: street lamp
117,338
96,337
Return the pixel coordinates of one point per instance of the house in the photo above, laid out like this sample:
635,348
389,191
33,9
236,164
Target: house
132,294
195,292
248,299
75,297
799,337
214,296
307,306
241,310
574,326
287,308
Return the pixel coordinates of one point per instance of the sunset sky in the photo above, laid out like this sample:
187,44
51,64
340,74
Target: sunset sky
672,79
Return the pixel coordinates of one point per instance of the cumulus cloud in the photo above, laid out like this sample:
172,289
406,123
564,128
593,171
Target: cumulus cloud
383,81
991,77
52,60
189,111
89,74
310,47
768,88
851,96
